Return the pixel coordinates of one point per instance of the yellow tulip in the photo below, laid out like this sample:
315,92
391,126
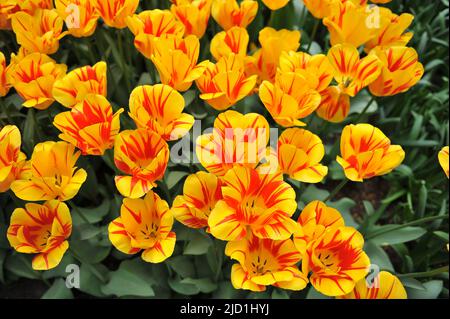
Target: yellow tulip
30,6
176,61
41,230
224,84
320,8
144,225
73,87
228,13
52,173
12,160
235,40
114,13
194,14
265,262
7,8
275,4
159,108
38,32
400,71
33,78
366,152
335,105
80,16
443,160
4,85
151,24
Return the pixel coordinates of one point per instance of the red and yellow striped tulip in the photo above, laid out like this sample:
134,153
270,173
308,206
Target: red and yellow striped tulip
349,24
335,105
336,260
30,6
314,219
7,8
176,58
265,61
80,16
316,68
33,78
73,87
384,286
4,85
275,4
228,13
159,108
115,12
236,140
151,24
194,14
366,152
233,41
142,155
350,72
52,173
12,160
253,203
400,71
265,262
90,125
38,32
322,8
201,192
299,155
290,99
392,30
225,83
443,159
144,225
42,230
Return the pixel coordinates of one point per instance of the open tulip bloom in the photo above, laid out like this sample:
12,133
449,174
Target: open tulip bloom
216,138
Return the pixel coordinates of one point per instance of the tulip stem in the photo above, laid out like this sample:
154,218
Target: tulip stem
336,190
313,34
425,274
366,108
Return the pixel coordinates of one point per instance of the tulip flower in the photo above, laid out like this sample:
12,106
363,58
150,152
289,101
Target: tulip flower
201,192
144,225
7,8
228,13
392,30
80,16
313,221
30,6
176,61
366,152
233,41
224,84
90,125
265,262
52,173
38,32
151,24
4,86
400,71
194,14
73,87
336,261
236,140
12,160
299,155
290,99
275,4
384,286
264,62
114,13
143,156
322,8
253,203
350,72
443,160
343,22
316,68
33,78
335,105
41,230
159,108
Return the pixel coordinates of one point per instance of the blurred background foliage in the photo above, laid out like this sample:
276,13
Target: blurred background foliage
403,216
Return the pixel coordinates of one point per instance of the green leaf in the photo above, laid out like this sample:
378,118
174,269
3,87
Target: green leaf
182,265
204,285
58,291
174,177
398,236
378,256
187,289
90,283
314,294
198,245
20,265
279,294
432,290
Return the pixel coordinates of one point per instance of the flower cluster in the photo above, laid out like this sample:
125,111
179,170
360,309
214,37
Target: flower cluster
243,196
